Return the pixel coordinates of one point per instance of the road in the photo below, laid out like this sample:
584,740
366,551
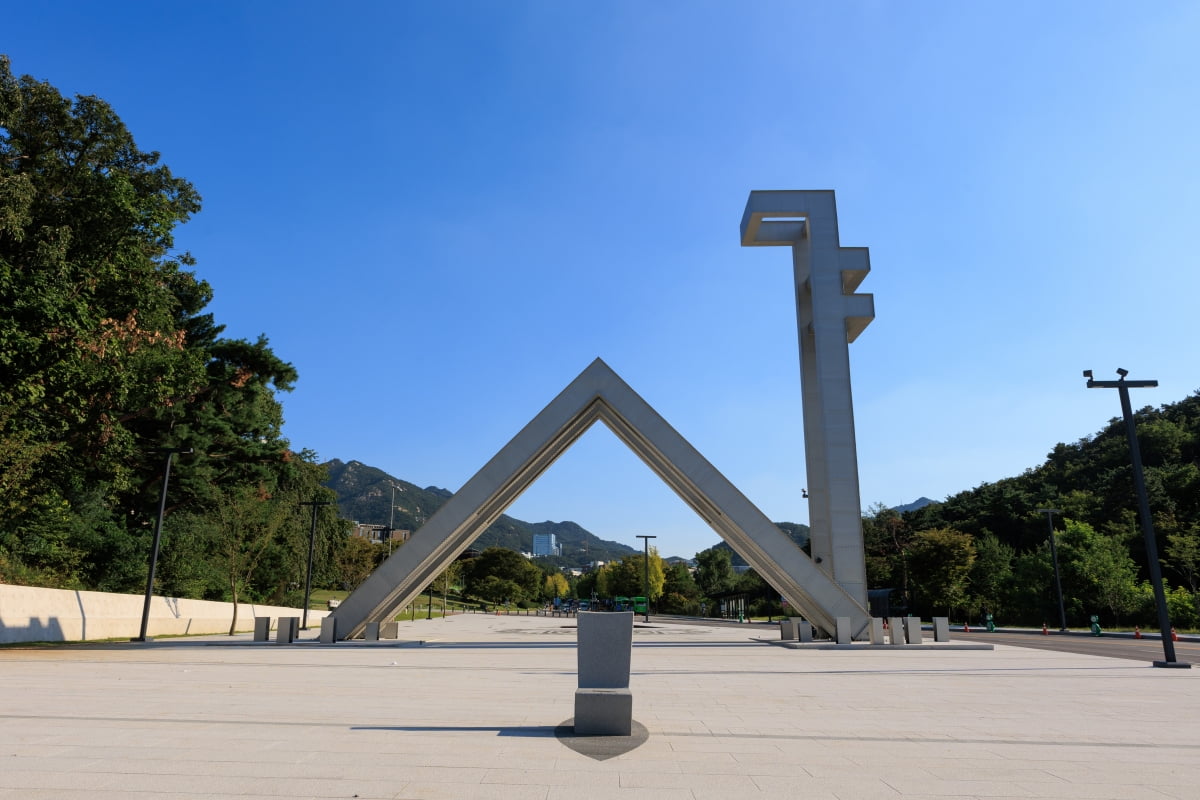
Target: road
1110,646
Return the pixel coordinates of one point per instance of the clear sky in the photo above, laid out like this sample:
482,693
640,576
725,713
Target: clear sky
442,212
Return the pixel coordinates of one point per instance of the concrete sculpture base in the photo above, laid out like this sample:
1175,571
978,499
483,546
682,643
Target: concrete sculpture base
603,702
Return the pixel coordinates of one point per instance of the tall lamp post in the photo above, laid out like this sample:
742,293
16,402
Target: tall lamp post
1062,613
162,509
1139,482
646,572
312,540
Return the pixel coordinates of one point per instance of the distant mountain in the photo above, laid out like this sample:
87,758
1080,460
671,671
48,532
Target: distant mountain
365,493
919,503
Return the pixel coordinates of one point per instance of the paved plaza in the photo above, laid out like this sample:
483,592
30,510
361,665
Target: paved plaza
481,710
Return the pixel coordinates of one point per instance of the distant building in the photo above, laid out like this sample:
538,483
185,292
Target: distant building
380,534
546,544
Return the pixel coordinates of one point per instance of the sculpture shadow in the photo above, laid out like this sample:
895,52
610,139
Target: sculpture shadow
599,748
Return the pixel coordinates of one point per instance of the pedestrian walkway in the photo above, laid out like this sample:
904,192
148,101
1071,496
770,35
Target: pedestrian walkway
477,707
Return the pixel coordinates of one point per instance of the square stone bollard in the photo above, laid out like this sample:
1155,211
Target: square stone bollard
262,629
896,630
876,630
389,630
804,631
328,630
287,629
603,702
912,628
787,630
941,629
371,632
843,630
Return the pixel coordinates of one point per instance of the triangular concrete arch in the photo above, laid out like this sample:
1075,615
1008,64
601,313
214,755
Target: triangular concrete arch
598,394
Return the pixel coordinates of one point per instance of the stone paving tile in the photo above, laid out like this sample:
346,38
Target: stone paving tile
473,714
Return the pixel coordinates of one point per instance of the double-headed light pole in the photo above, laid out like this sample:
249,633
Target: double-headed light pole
312,540
646,572
1139,482
162,510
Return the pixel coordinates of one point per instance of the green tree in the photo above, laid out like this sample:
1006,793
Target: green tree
1098,573
991,575
505,565
1183,556
714,571
554,586
940,564
356,560
628,576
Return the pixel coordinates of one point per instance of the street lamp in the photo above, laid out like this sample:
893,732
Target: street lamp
1062,614
646,572
312,538
1139,482
162,509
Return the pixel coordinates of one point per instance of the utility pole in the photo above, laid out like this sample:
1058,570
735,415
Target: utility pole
312,539
1062,614
1139,483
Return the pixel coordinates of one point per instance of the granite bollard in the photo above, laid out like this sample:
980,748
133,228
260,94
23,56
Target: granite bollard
262,629
912,629
603,702
941,629
286,632
896,630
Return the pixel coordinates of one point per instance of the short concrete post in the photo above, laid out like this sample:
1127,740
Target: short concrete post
603,702
262,629
843,630
876,630
285,633
804,631
371,632
389,630
787,630
941,629
896,630
328,630
912,627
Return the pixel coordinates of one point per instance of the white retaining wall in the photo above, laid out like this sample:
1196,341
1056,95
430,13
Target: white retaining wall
29,614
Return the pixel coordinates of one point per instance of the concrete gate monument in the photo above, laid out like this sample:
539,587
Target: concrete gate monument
824,588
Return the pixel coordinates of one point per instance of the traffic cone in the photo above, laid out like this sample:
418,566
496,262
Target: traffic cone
966,627
1045,632
1174,635
1137,632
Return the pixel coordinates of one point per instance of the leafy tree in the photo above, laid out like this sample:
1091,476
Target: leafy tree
356,560
628,576
940,564
1098,570
714,571
495,589
991,575
504,565
1183,556
554,586
678,580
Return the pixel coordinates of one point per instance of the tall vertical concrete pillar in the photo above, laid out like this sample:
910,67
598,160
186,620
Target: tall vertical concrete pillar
829,316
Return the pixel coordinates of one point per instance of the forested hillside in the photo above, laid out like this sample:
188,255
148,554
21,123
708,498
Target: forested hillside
365,493
109,360
988,547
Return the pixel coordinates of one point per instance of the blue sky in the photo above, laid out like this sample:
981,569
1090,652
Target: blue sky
441,213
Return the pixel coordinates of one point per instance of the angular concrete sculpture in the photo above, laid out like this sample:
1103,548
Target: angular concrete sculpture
599,395
603,702
829,316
